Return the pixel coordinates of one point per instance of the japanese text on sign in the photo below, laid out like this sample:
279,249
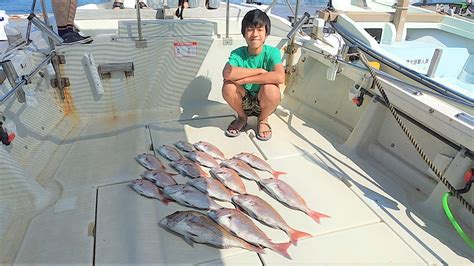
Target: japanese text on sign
184,49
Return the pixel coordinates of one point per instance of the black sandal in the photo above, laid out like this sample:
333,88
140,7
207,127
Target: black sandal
261,137
233,131
118,4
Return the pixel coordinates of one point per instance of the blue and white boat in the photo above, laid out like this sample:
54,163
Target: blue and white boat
433,50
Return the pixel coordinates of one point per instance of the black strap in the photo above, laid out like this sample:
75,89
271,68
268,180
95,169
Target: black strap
3,136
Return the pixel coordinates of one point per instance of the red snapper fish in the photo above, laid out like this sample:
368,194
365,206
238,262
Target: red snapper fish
229,178
266,214
210,149
243,227
257,163
286,194
150,161
148,189
197,227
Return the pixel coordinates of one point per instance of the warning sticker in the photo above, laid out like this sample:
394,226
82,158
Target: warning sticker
182,49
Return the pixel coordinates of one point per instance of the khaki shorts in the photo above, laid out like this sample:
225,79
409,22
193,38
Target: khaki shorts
250,104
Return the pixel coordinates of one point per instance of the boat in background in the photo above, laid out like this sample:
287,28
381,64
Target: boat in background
430,50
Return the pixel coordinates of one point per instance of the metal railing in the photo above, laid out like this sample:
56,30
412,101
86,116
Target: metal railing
7,67
25,78
412,74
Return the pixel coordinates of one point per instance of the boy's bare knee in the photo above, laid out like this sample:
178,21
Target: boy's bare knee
230,89
270,92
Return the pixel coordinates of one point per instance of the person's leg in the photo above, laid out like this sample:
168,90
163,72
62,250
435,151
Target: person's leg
60,10
233,95
269,97
71,12
64,13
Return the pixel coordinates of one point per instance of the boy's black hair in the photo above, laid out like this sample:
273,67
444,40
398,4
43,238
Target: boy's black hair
256,18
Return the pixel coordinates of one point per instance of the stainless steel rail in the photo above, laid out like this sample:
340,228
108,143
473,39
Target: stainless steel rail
25,78
298,26
140,43
422,79
272,4
227,14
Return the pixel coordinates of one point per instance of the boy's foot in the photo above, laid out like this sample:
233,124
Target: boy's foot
235,127
72,37
264,131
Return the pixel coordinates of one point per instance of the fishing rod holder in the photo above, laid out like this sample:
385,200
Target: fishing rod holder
12,76
16,82
298,25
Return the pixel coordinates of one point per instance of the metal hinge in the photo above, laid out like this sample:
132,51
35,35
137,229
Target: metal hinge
64,81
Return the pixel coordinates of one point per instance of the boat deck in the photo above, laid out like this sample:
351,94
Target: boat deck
97,167
91,143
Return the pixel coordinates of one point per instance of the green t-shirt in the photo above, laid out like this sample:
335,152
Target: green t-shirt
267,59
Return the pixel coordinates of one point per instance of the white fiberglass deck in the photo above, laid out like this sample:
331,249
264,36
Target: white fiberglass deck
96,170
352,163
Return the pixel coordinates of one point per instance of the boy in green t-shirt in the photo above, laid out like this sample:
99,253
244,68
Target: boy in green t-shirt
252,77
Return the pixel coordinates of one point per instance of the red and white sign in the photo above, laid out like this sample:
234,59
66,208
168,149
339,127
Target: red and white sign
182,49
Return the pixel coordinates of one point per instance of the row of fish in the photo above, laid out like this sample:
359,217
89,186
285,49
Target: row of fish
208,155
225,185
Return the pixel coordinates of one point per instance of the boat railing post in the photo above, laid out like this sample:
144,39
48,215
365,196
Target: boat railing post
12,76
227,39
28,29
140,43
274,2
434,62
291,9
399,19
33,19
291,49
46,21
18,82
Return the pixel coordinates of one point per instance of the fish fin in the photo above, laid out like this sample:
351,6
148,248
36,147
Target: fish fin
167,201
172,174
282,249
317,215
255,249
276,174
295,235
189,241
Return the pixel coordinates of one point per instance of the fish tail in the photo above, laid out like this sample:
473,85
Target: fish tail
163,198
317,215
276,174
295,235
282,249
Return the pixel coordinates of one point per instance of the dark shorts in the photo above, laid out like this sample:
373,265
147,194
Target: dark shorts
250,104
